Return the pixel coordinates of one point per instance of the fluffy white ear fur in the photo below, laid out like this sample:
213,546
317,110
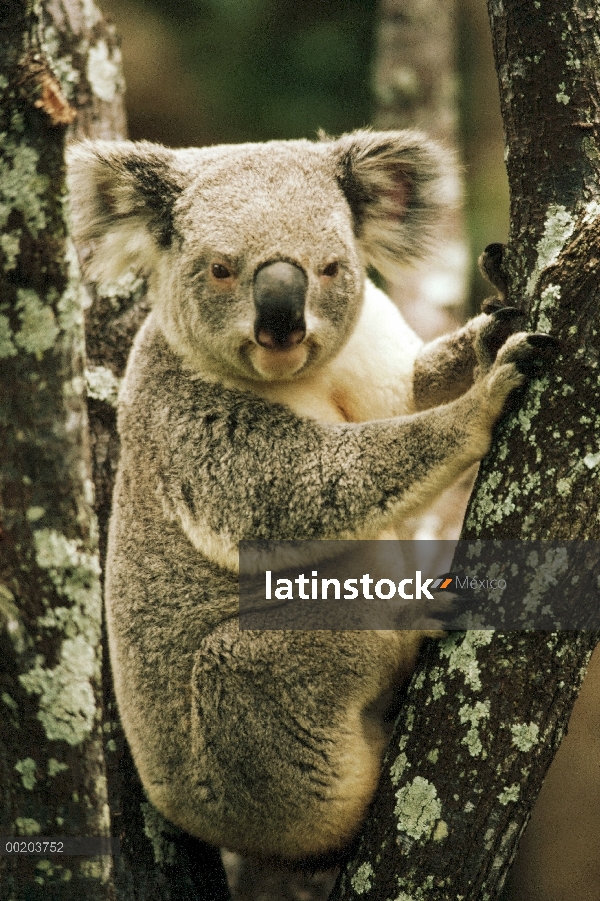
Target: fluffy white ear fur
123,195
397,184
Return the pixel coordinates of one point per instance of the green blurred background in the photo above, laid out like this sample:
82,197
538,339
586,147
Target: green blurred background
211,71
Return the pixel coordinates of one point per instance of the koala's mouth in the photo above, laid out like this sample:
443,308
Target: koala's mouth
273,363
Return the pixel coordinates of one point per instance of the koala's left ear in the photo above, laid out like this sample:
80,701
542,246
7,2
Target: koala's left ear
397,184
123,194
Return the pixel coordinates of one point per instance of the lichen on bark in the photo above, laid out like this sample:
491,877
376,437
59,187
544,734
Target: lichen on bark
50,613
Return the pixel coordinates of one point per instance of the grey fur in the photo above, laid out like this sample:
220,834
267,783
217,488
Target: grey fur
270,743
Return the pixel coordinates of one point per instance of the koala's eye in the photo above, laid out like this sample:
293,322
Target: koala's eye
220,271
332,269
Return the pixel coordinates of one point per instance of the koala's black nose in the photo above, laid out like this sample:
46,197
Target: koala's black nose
279,298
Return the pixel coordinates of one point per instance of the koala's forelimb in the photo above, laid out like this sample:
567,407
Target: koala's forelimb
340,481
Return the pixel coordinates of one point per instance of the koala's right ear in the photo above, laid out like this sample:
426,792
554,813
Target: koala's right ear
123,194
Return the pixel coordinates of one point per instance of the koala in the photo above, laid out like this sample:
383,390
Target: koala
273,393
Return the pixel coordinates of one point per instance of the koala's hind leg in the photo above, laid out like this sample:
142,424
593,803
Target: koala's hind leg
288,728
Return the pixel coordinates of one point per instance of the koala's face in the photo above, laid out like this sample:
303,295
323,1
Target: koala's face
269,275
257,252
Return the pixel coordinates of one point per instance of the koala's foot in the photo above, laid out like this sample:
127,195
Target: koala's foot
495,331
520,358
464,606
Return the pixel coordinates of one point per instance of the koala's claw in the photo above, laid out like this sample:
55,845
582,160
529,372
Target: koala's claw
535,353
529,366
505,314
543,341
517,361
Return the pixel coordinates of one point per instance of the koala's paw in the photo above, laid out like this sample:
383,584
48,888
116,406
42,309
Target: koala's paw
496,327
541,348
522,356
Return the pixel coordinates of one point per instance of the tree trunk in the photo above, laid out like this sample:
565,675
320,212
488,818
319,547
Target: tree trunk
486,712
51,755
65,767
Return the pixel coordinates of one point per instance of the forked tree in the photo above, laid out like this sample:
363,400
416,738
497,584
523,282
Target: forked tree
430,835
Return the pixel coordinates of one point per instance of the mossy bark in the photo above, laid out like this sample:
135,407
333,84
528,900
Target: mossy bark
64,765
486,711
51,755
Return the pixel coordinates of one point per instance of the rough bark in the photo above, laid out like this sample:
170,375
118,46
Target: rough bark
51,756
486,712
548,59
62,750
